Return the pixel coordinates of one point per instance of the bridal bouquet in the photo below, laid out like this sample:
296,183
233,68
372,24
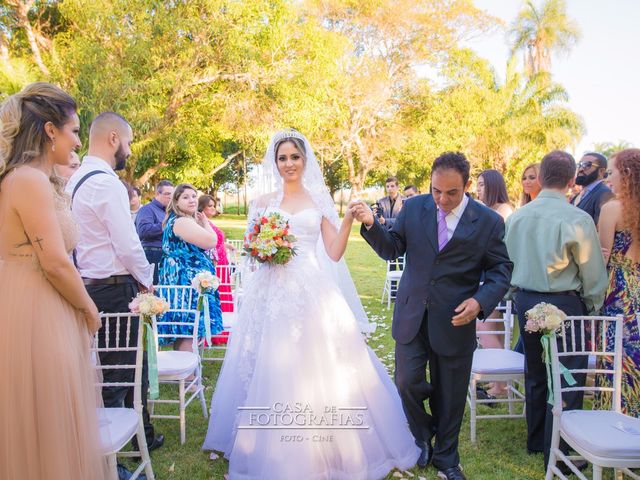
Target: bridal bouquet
204,282
269,240
547,319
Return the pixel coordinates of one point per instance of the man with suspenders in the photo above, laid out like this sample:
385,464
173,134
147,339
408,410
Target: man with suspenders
109,255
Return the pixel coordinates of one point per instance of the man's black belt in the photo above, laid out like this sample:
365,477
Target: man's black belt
112,280
153,249
570,293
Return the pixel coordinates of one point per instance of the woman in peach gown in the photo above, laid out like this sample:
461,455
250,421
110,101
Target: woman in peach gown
48,421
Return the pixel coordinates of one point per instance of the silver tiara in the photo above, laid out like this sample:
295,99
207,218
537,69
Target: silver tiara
290,133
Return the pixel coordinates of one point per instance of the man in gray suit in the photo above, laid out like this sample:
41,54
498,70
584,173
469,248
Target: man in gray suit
590,176
451,242
389,207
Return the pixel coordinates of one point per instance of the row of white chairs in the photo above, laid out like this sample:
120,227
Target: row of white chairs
605,438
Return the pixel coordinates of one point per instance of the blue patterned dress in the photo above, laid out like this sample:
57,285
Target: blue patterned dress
623,298
181,261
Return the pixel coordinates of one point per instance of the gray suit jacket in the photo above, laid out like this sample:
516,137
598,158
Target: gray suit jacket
388,214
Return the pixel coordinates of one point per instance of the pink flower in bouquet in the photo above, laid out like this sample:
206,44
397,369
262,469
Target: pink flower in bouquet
134,305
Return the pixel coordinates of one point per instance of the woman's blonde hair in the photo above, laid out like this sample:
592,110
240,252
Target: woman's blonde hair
23,117
525,197
173,204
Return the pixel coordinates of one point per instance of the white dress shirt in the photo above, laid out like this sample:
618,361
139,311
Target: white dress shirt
108,244
454,216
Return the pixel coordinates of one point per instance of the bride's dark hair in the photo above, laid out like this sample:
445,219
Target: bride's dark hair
22,120
297,142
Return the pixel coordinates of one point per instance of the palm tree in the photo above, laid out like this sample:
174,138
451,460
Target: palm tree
540,32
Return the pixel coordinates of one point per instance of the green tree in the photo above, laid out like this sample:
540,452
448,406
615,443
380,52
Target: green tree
539,32
388,39
609,148
497,125
193,78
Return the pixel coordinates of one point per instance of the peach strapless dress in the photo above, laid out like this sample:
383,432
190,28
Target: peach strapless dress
48,421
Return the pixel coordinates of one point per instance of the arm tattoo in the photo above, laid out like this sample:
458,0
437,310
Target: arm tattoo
38,240
28,241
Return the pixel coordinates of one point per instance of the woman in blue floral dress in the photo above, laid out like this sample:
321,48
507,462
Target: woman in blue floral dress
186,238
619,227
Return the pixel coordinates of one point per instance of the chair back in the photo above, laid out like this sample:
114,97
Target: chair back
123,333
396,265
506,320
228,277
182,300
584,336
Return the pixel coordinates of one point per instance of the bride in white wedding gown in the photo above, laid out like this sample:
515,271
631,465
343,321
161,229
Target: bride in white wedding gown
300,394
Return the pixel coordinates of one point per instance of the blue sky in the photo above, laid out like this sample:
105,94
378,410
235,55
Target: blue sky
601,73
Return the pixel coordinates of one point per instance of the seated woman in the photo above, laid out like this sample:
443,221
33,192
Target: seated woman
186,238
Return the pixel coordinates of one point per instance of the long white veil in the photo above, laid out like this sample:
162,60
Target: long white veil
266,180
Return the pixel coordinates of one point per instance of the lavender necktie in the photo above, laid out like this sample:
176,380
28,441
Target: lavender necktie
443,238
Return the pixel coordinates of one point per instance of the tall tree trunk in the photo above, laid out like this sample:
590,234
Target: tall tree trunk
22,15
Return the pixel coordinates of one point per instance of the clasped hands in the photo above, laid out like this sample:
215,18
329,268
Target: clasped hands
361,212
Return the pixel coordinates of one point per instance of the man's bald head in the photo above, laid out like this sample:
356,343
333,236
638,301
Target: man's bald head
107,122
110,138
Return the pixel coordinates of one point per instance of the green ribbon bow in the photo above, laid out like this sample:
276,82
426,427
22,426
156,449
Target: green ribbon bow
546,357
205,317
152,359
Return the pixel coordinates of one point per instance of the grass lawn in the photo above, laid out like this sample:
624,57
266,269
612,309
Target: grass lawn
501,451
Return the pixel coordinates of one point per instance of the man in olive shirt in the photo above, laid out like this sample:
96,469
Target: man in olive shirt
556,254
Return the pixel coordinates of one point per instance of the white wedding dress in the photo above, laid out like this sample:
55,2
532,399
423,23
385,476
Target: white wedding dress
300,394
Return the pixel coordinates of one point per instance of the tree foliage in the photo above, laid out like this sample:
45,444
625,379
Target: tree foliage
539,32
205,82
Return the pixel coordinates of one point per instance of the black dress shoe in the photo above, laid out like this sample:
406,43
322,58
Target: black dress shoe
452,473
426,453
482,394
157,442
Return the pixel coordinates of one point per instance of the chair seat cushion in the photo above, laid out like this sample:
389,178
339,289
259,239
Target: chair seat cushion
497,361
117,426
394,274
174,363
603,433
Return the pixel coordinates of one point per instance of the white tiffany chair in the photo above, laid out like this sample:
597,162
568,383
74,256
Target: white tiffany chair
175,367
119,425
497,365
605,438
228,318
392,279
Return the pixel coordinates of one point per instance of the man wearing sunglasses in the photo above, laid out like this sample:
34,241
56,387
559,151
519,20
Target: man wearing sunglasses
594,194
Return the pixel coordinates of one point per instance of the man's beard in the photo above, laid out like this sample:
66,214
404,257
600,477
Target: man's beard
121,159
585,180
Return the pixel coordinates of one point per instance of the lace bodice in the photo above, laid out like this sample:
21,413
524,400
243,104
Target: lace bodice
69,228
